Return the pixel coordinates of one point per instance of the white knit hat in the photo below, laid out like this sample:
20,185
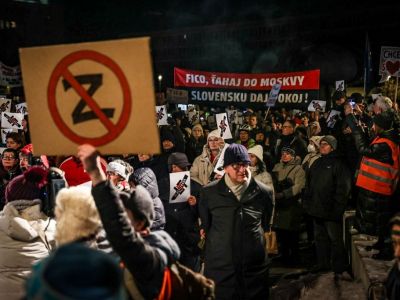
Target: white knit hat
257,150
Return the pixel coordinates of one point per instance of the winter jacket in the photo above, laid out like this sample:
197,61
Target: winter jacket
309,160
26,236
147,178
194,147
235,256
263,177
328,186
145,257
250,143
290,181
374,210
5,178
202,167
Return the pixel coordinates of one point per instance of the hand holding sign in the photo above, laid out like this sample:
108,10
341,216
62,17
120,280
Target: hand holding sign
162,115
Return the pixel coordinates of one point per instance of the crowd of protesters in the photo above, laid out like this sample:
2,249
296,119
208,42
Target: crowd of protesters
290,172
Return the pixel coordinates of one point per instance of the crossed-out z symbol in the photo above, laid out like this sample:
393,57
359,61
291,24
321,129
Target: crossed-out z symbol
180,187
223,125
95,81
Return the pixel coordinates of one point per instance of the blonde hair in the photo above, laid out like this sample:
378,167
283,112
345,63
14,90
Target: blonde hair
76,214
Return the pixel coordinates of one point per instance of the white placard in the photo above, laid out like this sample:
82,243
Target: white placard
389,63
317,105
273,95
219,165
4,132
332,118
162,115
11,120
21,108
193,115
5,105
179,187
223,126
233,116
339,85
375,96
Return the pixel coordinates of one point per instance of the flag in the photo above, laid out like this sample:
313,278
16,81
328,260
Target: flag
367,65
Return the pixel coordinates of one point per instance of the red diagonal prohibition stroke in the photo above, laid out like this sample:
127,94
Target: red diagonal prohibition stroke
89,100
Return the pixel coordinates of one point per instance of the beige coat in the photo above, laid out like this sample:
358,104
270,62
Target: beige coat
21,225
295,173
202,167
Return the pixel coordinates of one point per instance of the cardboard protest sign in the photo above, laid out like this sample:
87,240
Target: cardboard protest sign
339,85
4,132
179,187
233,116
5,105
11,120
220,163
317,105
99,93
193,115
21,108
223,126
333,116
389,63
273,95
161,115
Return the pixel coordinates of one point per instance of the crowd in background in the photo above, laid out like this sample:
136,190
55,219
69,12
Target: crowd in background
312,167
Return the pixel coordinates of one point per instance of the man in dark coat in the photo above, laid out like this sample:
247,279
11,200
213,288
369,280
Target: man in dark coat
235,212
392,283
328,186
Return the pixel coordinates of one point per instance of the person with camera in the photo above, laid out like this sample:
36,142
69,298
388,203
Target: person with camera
26,233
289,183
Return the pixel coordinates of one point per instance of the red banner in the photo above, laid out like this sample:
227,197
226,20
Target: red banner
306,80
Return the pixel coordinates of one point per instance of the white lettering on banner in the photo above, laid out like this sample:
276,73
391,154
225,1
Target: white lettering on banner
190,78
218,96
291,98
284,81
225,81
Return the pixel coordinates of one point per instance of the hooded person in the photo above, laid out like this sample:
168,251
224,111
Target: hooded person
313,152
182,218
26,233
146,178
78,220
289,183
202,170
257,166
75,271
196,142
127,218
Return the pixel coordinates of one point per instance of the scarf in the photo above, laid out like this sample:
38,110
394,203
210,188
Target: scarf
237,189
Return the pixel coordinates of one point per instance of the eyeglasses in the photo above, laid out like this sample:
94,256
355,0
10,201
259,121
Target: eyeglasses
213,140
238,166
7,157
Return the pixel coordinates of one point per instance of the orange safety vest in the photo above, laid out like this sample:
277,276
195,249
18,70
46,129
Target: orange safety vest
379,177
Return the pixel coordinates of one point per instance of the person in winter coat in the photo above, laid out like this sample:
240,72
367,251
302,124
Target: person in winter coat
235,212
289,183
182,218
26,233
146,178
257,166
328,186
145,254
289,139
244,136
9,169
377,176
202,170
313,152
196,142
392,282
78,220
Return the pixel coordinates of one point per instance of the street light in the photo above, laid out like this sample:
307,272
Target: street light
159,82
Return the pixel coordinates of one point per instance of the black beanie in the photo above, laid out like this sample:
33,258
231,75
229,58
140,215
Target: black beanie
236,153
168,135
140,203
384,120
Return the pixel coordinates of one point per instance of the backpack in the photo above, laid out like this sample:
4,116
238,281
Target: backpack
179,282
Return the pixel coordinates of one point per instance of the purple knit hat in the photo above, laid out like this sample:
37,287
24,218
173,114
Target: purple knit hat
27,186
